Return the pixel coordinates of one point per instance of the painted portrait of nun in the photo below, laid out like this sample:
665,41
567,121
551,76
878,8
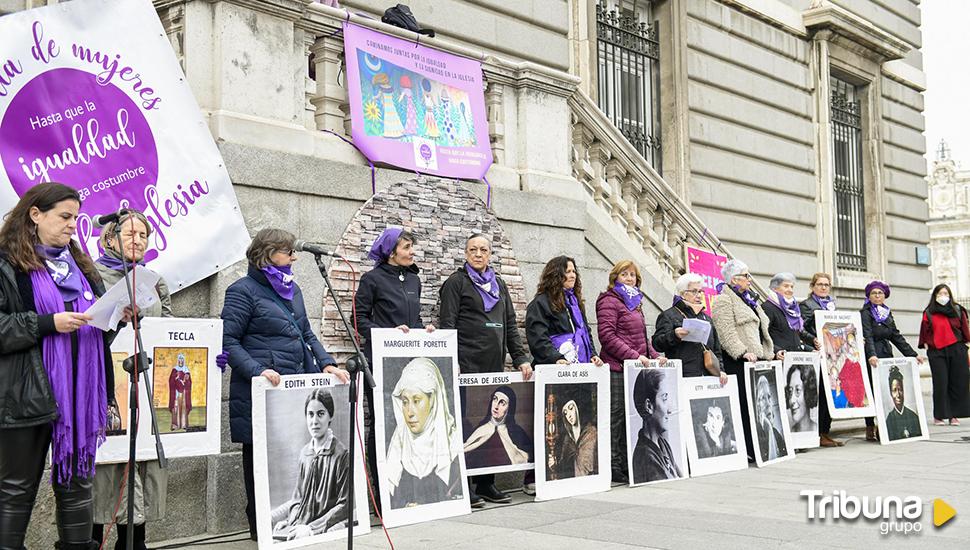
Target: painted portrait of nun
180,394
423,454
497,440
319,501
576,452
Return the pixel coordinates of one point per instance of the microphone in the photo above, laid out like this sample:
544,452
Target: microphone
314,248
102,220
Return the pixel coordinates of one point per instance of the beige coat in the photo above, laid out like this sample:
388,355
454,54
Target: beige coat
739,328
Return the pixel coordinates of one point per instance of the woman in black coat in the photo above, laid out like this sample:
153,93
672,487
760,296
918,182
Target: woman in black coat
555,320
389,297
786,326
266,332
670,333
820,299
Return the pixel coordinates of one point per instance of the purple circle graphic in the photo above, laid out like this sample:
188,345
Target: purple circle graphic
64,126
425,152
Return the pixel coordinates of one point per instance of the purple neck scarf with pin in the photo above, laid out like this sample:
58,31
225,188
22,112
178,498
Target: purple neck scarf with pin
112,260
281,279
746,295
82,406
880,313
793,314
486,284
579,338
63,270
827,303
631,295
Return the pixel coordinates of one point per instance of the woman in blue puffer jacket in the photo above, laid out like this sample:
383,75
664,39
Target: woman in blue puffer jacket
266,333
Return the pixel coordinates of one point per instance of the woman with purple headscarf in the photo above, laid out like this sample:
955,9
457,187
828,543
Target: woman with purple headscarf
879,333
389,297
56,377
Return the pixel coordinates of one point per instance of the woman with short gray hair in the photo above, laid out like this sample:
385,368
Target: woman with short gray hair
742,326
786,326
696,359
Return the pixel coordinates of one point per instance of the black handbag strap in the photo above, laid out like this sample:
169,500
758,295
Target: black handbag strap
289,316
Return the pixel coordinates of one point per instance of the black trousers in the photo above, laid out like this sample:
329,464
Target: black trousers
371,444
736,367
23,452
247,455
618,461
824,417
951,380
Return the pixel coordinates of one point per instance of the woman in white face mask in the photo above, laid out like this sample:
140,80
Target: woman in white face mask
945,333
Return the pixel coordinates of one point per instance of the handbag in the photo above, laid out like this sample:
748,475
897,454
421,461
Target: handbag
711,364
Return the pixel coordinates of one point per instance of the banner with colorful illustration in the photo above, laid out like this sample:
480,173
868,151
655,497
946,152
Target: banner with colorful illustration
708,265
415,107
104,107
186,390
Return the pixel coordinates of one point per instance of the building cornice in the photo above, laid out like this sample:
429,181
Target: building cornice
853,32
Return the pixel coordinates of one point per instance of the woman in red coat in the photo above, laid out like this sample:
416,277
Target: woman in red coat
945,332
623,336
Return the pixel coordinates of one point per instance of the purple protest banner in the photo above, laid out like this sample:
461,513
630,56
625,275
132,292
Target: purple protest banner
415,107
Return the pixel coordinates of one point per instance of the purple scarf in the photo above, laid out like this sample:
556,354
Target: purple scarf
879,313
384,245
746,295
82,417
631,295
486,284
827,303
64,271
281,279
792,312
111,260
580,336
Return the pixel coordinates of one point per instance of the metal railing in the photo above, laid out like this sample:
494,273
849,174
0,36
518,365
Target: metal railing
847,176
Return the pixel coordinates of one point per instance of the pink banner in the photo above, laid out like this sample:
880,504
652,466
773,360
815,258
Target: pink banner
707,265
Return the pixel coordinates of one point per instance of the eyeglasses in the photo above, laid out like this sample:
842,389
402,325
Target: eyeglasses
744,275
823,285
694,291
287,251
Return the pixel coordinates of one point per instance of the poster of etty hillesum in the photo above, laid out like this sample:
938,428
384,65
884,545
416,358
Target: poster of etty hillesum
301,462
900,412
712,425
498,419
572,430
105,108
770,433
655,446
185,381
843,362
420,451
801,384
416,107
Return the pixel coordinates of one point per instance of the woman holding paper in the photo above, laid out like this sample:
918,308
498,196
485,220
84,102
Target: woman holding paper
623,336
266,332
677,342
56,377
128,238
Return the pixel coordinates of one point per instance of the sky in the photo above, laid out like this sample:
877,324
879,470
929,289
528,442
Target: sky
946,61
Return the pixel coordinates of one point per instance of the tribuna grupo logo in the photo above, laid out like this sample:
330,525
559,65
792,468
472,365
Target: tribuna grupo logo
896,515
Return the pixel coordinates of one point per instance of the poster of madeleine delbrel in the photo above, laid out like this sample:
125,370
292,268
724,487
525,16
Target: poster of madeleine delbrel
185,381
104,107
572,430
900,412
770,433
301,462
712,425
420,455
654,442
497,411
843,364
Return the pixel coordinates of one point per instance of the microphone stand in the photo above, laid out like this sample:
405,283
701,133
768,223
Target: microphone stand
355,365
137,363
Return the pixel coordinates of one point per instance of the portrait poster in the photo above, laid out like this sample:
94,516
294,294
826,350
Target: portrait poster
420,454
301,462
498,419
712,425
186,390
105,108
416,107
572,430
770,433
900,412
708,265
801,384
843,362
654,444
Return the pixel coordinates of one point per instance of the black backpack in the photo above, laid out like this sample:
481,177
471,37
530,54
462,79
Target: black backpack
401,16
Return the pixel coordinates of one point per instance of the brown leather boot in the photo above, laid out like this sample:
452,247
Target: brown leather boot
872,434
825,441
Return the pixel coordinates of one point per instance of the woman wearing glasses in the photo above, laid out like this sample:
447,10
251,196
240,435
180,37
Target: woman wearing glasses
266,332
820,299
669,335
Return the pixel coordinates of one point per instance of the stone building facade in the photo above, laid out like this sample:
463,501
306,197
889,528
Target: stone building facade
787,133
949,223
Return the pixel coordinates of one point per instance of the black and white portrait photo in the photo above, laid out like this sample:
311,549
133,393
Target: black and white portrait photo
901,415
712,427
420,451
801,391
301,438
654,443
572,430
771,434
497,421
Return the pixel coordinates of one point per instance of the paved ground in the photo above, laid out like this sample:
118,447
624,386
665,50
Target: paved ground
754,508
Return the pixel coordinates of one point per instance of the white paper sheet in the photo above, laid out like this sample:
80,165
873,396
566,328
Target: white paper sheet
699,330
109,309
